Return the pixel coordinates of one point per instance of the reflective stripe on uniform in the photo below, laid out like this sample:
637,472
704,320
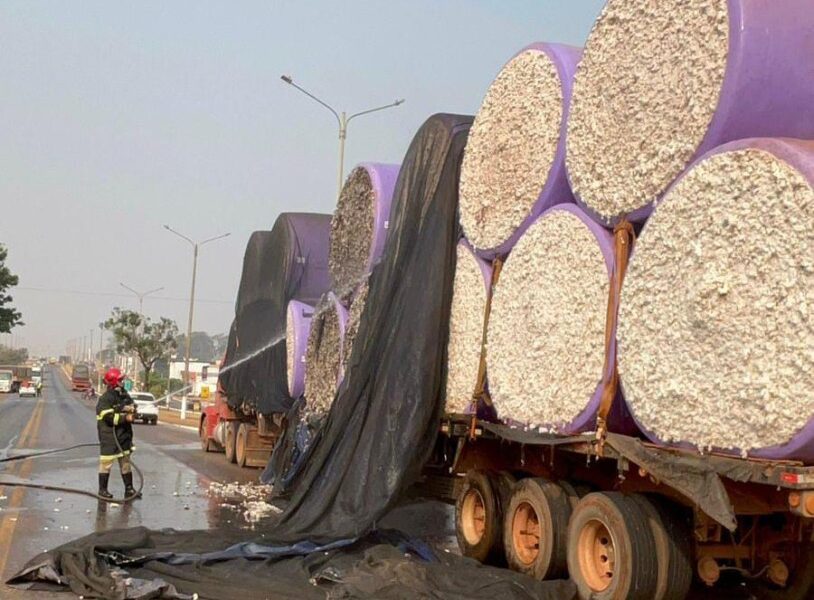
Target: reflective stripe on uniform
115,456
102,414
116,418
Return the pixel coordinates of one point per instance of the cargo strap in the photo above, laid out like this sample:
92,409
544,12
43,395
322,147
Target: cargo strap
481,393
623,240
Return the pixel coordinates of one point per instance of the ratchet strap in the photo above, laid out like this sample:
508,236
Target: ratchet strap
623,239
481,393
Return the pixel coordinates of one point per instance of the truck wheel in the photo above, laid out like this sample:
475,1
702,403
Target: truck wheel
673,540
206,442
241,444
477,518
800,585
231,438
611,550
535,529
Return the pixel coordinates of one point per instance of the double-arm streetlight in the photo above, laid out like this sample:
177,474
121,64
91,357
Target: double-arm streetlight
140,296
342,120
195,245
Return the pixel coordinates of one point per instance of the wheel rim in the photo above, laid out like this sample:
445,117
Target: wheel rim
473,517
240,447
597,555
526,533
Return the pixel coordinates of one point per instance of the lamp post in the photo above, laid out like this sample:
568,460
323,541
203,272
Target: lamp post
140,296
342,120
101,357
195,246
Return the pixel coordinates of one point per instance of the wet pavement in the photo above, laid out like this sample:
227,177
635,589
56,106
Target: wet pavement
177,474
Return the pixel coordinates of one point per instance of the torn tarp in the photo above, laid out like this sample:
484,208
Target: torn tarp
137,564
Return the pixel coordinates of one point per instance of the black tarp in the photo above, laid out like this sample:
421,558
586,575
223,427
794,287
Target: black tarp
290,262
384,419
374,442
139,564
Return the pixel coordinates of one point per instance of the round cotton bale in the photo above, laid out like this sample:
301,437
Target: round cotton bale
471,288
297,328
514,164
323,354
357,308
661,83
546,332
359,224
716,336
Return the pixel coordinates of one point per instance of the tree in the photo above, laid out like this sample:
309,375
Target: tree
148,340
12,356
202,347
9,317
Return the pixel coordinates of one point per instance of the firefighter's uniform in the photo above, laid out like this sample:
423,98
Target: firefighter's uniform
112,410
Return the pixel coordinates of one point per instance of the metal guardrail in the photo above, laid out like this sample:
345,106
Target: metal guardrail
184,402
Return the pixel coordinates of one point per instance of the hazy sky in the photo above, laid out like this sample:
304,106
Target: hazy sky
119,117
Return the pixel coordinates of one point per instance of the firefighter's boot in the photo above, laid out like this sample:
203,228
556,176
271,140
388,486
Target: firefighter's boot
104,478
130,492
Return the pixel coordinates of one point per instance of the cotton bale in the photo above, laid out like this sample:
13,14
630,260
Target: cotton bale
323,354
359,224
471,288
514,167
661,83
297,329
716,336
355,313
546,332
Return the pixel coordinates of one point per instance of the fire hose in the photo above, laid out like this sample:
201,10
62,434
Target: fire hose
70,490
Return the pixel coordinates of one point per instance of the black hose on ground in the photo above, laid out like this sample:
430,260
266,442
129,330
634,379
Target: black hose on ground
69,490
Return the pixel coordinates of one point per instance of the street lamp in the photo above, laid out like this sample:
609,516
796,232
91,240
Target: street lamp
140,296
195,246
342,120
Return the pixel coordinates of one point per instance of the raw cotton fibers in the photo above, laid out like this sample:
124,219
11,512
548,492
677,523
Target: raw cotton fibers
469,295
352,232
715,335
357,308
322,357
511,148
546,332
644,95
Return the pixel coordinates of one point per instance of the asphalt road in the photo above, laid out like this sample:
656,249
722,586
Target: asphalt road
177,476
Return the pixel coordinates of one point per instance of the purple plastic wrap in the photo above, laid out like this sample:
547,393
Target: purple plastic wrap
800,155
299,319
383,179
768,85
556,189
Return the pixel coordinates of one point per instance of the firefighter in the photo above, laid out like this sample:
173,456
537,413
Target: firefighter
115,412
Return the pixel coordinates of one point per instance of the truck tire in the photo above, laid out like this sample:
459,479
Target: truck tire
231,438
800,585
477,518
535,529
241,445
672,535
611,550
206,441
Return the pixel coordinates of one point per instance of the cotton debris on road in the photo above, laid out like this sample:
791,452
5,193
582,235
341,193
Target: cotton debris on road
545,344
716,340
352,232
511,149
468,311
644,94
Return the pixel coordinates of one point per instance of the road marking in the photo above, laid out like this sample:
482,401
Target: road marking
9,523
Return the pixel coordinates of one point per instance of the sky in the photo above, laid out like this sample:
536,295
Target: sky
120,117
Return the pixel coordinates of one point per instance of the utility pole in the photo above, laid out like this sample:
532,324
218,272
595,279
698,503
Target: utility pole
195,246
342,120
140,296
101,357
